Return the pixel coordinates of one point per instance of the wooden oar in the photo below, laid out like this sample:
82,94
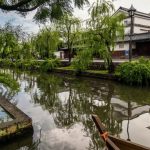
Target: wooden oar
104,134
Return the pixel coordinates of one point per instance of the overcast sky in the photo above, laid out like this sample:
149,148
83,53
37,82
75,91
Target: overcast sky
30,26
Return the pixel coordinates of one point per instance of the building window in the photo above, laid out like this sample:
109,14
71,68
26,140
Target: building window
121,45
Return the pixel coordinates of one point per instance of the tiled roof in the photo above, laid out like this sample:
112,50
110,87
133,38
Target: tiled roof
136,12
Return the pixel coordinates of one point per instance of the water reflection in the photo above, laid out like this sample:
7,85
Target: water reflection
4,116
61,109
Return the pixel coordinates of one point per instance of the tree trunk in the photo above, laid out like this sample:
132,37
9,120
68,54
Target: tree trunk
111,67
69,55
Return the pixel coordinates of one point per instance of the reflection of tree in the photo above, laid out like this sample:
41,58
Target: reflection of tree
79,105
140,95
48,86
20,143
8,91
82,98
35,144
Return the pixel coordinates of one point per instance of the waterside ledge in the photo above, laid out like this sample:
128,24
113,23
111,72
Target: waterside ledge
88,74
20,124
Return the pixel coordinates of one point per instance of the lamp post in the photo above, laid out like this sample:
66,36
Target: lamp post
131,12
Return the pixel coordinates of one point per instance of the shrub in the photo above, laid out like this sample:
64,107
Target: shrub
27,64
82,61
6,63
135,73
49,65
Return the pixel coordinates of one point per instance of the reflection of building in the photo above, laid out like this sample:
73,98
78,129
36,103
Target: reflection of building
141,35
124,110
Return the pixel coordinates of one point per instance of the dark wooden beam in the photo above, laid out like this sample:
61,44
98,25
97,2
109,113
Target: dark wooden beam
110,144
114,143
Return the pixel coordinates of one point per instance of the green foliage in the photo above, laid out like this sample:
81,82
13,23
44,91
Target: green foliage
26,50
69,28
105,72
16,45
8,81
102,31
135,73
45,9
27,64
6,63
82,61
46,43
11,38
49,65
22,64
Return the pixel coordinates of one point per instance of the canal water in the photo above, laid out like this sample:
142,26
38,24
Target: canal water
61,107
4,116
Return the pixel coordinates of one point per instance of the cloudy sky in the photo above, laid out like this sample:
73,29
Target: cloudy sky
30,26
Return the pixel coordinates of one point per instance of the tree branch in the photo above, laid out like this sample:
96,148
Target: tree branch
15,6
27,9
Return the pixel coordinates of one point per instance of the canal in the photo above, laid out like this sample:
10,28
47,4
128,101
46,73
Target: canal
61,107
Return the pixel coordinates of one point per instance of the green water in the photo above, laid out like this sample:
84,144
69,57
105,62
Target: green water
61,107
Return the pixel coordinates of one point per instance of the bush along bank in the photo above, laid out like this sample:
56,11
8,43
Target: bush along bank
45,65
131,73
55,65
135,73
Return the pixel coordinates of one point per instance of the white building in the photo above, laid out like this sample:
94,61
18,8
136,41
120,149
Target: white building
141,35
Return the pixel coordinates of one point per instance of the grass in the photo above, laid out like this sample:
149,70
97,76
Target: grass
98,71
104,72
66,68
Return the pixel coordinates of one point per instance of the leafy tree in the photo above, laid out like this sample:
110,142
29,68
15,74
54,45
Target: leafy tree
45,9
46,42
105,30
26,50
102,31
11,37
69,28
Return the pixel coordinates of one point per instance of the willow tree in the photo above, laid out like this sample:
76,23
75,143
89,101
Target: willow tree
102,32
26,50
45,9
69,28
105,28
10,38
46,42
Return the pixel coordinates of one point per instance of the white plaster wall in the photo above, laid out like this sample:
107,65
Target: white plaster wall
125,48
128,20
127,30
137,20
138,29
142,20
117,48
57,54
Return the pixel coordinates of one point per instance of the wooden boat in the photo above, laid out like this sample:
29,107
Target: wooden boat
114,143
